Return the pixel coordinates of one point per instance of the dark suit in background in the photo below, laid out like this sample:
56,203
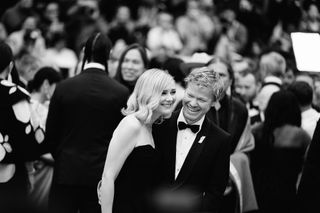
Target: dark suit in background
203,177
83,114
231,117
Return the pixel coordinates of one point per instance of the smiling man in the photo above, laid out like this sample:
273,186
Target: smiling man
195,152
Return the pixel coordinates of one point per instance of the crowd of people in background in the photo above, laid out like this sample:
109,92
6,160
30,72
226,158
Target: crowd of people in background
68,68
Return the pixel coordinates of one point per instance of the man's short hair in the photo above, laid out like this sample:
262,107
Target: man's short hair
206,77
272,64
303,91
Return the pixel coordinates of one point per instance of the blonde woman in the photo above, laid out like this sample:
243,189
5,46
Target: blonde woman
130,171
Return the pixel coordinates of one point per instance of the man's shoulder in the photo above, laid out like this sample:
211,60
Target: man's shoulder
216,131
239,106
83,81
118,86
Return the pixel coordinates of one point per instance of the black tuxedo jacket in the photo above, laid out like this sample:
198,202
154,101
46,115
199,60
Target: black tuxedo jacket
83,113
205,170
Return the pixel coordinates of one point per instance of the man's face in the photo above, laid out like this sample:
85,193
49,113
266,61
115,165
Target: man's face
222,70
197,101
247,87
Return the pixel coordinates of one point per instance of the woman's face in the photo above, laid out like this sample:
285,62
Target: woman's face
132,66
167,100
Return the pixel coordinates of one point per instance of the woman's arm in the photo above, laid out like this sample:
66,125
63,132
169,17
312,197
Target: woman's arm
121,145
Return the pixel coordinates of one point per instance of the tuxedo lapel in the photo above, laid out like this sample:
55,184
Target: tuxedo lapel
193,154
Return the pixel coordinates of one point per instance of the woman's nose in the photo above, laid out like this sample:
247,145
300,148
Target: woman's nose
170,97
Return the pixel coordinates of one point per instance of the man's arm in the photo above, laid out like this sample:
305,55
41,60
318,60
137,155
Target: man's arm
219,177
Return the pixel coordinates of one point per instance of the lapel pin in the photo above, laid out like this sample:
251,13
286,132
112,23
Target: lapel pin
201,139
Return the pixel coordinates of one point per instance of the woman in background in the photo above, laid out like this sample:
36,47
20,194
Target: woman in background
132,63
130,173
278,156
41,171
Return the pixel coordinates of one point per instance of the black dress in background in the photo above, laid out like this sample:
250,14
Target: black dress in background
276,167
277,191
136,181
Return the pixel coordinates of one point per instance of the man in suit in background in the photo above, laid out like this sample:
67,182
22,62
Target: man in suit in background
194,151
83,114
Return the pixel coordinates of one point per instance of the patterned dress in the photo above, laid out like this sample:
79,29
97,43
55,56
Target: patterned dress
17,143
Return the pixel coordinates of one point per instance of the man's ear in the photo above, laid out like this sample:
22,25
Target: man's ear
216,105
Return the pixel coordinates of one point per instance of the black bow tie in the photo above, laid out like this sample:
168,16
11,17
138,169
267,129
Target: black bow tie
193,128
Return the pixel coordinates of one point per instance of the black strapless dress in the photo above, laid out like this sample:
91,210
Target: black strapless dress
277,190
136,181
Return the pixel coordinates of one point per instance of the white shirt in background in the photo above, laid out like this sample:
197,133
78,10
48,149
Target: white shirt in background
309,119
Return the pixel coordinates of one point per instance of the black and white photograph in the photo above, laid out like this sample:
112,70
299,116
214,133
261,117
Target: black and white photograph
159,106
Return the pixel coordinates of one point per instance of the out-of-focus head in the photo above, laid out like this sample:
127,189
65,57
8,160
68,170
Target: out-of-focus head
283,108
227,16
89,8
288,78
45,73
123,14
198,59
153,96
97,49
115,54
165,20
204,88
225,72
193,9
272,64
26,4
45,81
52,11
303,91
313,12
132,63
305,78
27,65
30,23
248,86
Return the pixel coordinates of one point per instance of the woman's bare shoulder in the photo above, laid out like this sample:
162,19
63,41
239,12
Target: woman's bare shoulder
130,122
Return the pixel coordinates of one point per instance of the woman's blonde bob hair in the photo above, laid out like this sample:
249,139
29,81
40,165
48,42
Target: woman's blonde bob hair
147,92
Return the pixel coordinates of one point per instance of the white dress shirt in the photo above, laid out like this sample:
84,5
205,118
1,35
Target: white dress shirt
267,91
94,65
309,119
185,139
